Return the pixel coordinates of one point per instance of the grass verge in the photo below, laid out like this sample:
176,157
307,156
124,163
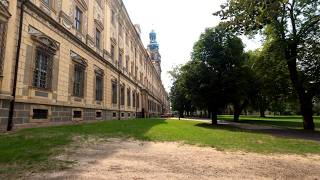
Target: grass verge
31,150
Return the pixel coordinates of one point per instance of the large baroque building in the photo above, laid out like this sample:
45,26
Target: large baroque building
74,60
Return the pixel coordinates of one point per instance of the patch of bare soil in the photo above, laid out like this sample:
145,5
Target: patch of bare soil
137,160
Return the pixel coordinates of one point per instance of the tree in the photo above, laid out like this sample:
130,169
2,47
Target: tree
178,93
296,26
219,56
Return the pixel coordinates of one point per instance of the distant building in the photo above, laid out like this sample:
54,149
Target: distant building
78,60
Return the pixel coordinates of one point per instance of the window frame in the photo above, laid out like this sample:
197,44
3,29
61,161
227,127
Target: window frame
37,70
78,19
98,38
114,92
99,87
79,83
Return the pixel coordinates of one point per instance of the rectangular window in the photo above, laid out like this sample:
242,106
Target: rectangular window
138,100
120,59
99,87
98,114
112,53
134,99
78,19
114,92
122,95
42,70
114,114
98,38
77,114
78,84
113,17
122,114
40,114
128,97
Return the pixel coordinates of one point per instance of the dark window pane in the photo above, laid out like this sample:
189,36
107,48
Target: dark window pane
40,114
77,114
114,92
78,80
98,37
99,88
98,114
78,18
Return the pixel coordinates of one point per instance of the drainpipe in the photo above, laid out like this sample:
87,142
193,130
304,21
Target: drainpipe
12,102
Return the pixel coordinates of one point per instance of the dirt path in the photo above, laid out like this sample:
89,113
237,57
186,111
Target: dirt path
119,159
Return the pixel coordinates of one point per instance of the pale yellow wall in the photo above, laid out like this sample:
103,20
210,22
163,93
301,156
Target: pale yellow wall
129,42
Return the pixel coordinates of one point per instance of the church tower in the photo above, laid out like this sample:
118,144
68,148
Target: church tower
153,49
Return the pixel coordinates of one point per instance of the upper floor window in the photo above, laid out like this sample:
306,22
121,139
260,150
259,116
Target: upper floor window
78,19
120,59
98,38
113,17
99,87
42,70
78,84
112,52
114,88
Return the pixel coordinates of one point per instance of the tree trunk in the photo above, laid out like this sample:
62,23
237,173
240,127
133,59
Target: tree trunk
214,118
236,112
262,113
305,98
307,113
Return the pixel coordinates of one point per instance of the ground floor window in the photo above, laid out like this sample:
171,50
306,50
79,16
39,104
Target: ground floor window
99,87
42,70
128,97
78,84
40,114
114,92
122,95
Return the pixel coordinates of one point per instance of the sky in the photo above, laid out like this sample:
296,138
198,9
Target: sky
178,24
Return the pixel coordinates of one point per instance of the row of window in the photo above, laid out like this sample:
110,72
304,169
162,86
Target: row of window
130,94
43,75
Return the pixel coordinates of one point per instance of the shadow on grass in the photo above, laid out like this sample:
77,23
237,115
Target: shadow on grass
286,133
32,150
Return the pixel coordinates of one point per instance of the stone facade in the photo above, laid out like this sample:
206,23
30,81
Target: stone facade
70,53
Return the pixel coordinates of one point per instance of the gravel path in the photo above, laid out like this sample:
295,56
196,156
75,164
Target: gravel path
136,160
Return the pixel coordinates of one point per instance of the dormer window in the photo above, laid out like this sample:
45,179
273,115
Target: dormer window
78,19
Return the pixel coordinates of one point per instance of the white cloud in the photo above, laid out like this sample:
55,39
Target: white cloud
178,24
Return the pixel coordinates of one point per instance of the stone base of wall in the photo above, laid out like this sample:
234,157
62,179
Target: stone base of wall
4,113
23,115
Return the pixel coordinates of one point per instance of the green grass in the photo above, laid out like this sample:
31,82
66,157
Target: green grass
293,122
31,150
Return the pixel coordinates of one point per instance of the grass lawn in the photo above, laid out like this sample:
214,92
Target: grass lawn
31,150
294,122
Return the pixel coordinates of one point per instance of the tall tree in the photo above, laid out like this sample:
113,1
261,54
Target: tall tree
221,56
296,26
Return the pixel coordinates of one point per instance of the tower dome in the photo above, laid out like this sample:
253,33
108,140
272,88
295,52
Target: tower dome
153,41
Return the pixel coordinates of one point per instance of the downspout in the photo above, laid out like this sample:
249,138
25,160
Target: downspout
12,102
119,92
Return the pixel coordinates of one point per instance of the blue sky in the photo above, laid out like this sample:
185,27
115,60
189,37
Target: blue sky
178,24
